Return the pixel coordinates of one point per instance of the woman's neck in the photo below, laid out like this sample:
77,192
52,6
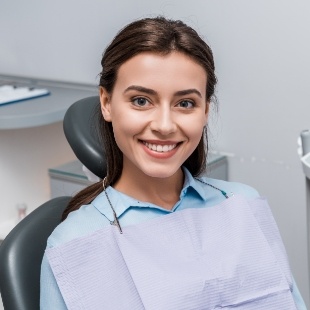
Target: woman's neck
164,192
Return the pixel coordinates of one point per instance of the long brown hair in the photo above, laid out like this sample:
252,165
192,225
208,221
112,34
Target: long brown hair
157,35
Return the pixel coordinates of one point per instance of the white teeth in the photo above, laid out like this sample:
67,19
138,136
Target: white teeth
165,148
160,148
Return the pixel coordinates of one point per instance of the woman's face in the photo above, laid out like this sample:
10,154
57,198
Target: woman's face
158,110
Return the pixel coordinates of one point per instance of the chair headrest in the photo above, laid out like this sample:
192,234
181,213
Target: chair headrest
81,130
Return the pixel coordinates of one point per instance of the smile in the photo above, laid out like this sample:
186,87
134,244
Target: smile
160,148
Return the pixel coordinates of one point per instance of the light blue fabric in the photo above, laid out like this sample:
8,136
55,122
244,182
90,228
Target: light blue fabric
90,218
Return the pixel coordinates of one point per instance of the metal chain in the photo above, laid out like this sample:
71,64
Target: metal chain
115,222
223,192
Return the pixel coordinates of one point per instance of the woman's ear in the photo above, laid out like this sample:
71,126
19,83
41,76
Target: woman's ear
105,104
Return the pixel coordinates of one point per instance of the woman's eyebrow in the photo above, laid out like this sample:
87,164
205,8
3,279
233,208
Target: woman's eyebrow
188,92
141,89
153,92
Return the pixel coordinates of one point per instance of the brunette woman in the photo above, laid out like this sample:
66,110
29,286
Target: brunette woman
155,234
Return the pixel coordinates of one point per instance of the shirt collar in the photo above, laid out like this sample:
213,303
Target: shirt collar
122,202
191,183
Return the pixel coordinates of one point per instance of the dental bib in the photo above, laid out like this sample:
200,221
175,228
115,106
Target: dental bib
228,256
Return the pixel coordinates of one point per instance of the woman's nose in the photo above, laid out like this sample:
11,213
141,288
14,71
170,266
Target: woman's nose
164,121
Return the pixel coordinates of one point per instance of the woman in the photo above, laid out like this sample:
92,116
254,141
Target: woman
217,245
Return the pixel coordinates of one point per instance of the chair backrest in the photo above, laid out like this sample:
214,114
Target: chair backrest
22,250
81,130
21,255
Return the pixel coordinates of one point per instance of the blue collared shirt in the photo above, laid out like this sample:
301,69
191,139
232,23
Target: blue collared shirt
130,211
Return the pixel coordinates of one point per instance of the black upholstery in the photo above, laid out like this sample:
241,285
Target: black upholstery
21,255
81,130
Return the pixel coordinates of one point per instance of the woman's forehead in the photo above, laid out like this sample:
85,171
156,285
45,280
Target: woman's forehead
150,70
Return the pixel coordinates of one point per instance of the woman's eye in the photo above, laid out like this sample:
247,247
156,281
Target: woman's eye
140,101
186,104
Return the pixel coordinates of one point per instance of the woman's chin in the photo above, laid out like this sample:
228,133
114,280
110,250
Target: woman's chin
161,173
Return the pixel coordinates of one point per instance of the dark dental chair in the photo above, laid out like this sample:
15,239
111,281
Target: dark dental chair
22,250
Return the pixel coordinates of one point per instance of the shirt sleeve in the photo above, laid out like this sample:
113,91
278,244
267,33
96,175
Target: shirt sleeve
50,295
297,297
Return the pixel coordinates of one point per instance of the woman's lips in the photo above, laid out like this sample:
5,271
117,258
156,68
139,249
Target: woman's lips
160,149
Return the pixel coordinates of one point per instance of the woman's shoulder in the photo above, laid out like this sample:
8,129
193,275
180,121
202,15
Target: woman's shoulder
235,188
81,222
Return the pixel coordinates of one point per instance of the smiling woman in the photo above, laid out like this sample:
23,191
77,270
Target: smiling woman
154,234
152,114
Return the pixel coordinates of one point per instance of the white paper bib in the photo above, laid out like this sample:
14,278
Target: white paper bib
228,256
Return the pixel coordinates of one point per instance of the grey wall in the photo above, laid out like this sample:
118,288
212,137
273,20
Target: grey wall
262,53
